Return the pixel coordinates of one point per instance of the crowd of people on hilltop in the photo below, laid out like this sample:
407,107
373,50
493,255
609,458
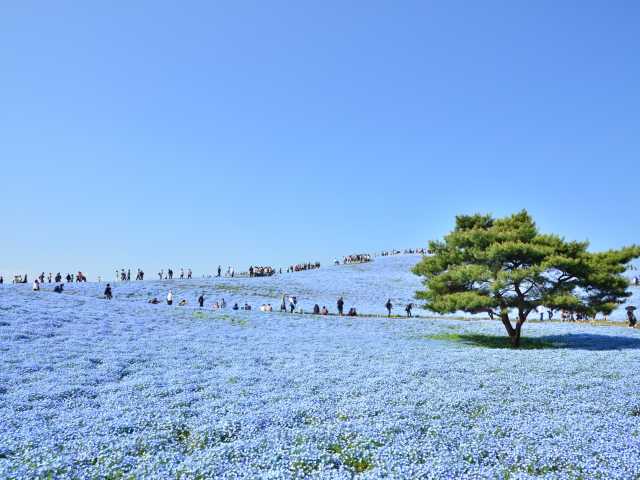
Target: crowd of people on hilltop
124,275
49,278
16,279
42,279
356,258
406,251
261,271
168,275
301,267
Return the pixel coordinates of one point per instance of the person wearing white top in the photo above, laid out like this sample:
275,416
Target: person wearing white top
169,298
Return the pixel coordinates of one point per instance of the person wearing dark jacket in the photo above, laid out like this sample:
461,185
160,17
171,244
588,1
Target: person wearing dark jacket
201,300
107,292
408,309
340,305
389,306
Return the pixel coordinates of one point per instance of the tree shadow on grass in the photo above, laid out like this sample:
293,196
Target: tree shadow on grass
577,341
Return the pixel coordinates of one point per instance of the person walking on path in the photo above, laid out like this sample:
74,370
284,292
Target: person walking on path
408,309
201,300
340,305
107,292
170,298
389,306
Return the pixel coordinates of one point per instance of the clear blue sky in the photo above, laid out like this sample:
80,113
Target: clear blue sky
196,133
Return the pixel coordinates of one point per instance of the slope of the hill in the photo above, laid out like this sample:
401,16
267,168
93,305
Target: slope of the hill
364,286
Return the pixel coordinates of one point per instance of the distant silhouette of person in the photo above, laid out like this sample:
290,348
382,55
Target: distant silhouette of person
389,306
107,292
408,309
316,309
283,305
292,304
201,300
340,305
170,298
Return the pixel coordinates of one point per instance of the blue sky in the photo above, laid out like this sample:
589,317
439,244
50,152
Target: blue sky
202,133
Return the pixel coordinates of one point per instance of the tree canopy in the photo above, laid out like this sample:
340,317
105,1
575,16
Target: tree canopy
507,268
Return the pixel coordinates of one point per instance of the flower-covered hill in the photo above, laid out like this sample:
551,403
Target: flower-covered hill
364,286
124,389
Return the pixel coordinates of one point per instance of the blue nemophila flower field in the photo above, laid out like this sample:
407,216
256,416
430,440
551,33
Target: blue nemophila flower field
120,389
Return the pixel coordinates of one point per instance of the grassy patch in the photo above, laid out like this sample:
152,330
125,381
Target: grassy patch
492,341
354,454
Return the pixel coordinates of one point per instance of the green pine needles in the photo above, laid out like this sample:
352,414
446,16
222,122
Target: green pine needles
505,267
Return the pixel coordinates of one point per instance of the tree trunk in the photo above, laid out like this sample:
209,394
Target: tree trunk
504,316
514,333
515,338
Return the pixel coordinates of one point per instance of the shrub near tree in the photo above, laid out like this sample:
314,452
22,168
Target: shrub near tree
505,267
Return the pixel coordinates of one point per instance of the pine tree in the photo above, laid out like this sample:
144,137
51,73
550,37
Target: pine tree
506,268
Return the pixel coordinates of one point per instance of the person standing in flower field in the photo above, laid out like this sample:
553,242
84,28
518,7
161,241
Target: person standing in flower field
389,306
408,309
293,302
